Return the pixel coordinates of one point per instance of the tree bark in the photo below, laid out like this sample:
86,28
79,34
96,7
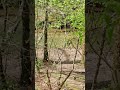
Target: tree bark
46,36
25,51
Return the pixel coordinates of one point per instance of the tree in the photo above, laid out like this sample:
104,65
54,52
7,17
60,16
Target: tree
45,33
62,14
25,51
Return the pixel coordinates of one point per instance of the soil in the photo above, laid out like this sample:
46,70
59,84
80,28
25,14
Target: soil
62,59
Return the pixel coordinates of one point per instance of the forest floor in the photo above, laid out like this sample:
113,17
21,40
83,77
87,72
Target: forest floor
60,69
62,57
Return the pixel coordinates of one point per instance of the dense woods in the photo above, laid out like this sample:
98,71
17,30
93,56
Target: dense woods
59,45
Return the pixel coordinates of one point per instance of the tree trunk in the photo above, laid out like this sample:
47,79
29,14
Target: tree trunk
25,51
46,36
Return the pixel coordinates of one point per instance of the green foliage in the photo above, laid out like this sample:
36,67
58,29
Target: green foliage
62,12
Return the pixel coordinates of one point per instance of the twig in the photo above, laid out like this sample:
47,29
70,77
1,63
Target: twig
100,56
65,80
49,82
71,70
99,60
75,55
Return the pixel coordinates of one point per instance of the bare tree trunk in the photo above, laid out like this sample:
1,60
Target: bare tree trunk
46,35
25,52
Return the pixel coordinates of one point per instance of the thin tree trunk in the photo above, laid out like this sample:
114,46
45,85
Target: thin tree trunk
46,36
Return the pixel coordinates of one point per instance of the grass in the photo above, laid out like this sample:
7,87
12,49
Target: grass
57,39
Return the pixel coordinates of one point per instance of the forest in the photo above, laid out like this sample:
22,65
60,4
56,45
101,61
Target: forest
60,33
59,45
